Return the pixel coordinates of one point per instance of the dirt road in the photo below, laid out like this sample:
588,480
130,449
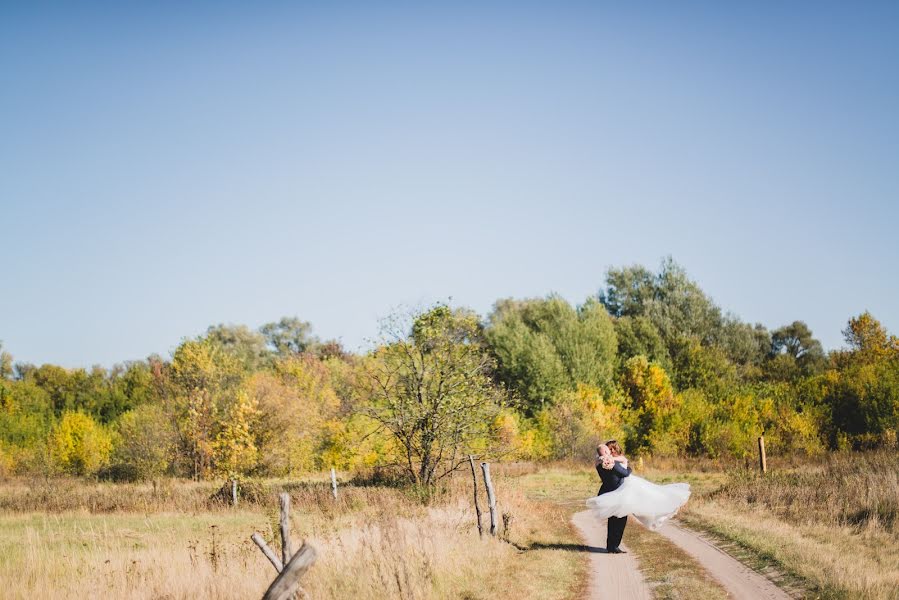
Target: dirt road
612,576
738,579
617,576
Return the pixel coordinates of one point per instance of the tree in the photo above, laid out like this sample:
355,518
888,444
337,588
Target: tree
288,336
652,403
578,421
679,310
546,346
430,388
795,346
6,368
638,336
204,378
241,342
863,391
235,446
78,445
146,440
866,336
295,402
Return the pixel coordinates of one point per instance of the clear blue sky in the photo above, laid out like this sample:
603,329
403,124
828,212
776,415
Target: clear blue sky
164,168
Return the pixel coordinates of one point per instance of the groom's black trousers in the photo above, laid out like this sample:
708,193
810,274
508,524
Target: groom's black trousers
615,532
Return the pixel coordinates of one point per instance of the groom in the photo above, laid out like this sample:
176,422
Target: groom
611,473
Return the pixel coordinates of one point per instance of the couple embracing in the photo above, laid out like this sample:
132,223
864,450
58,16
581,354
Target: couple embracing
623,494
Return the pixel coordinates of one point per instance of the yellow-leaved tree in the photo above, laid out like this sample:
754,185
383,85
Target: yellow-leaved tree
78,445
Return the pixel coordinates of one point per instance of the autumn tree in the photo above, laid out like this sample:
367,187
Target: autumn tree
146,441
78,445
296,400
203,379
430,388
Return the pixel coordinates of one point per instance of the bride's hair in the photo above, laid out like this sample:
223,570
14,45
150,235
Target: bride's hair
614,447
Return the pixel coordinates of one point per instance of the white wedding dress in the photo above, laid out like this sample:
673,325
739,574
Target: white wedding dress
649,503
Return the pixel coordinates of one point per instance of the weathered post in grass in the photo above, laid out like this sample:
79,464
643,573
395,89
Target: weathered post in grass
286,551
269,553
763,464
334,483
287,583
491,497
477,507
233,492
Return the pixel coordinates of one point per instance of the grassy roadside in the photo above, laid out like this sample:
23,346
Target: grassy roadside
820,529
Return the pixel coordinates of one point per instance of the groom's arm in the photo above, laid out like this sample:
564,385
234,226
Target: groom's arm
621,471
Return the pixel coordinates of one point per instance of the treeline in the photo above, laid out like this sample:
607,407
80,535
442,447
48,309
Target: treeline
650,360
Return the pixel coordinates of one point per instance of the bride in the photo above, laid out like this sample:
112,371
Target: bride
649,503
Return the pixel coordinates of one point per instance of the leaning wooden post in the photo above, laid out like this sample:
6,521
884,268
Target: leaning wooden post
286,551
763,464
233,492
477,507
287,583
334,483
491,498
269,553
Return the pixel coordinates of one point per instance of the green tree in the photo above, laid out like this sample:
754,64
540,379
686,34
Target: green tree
680,311
546,346
795,352
248,347
146,441
430,389
288,336
638,336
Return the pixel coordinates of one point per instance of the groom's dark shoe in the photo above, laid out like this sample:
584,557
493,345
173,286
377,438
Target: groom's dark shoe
616,551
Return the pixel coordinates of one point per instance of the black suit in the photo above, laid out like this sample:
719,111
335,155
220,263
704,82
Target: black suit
611,479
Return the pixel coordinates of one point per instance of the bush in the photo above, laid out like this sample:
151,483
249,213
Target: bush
78,445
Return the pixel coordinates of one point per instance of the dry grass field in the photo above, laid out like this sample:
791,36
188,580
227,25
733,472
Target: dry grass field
72,539
828,526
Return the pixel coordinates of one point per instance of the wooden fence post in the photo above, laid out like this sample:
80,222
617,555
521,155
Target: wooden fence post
491,497
334,483
286,551
762,461
287,583
233,492
477,507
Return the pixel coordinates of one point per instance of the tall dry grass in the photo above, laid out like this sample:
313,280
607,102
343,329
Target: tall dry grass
831,522
131,541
